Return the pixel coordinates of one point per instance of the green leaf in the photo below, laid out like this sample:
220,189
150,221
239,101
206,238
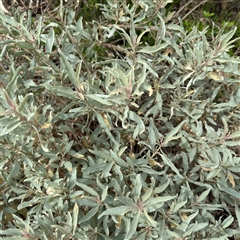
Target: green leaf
234,135
153,49
26,45
203,195
225,38
14,171
137,187
237,211
149,192
152,201
104,193
228,59
118,160
126,36
187,221
69,222
12,124
169,163
87,202
177,28
227,222
119,74
71,74
88,189
149,219
190,230
133,228
89,215
116,211
160,189
232,143
105,127
230,191
62,91
170,136
126,201
9,20
81,33
9,101
24,101
99,98
140,125
44,147
50,40
179,205
12,86
12,232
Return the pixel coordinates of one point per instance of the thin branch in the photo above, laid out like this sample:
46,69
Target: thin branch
115,48
183,7
194,9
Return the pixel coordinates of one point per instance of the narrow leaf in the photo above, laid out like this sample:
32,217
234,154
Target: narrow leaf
15,170
133,227
24,101
140,125
71,74
89,215
104,193
227,222
88,189
75,217
50,40
116,211
153,49
237,211
152,201
203,195
168,162
148,193
231,192
173,132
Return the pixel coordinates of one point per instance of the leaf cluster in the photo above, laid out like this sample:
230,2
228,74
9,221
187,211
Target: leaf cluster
204,13
121,128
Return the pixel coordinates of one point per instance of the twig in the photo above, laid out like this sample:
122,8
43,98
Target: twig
194,9
183,7
115,48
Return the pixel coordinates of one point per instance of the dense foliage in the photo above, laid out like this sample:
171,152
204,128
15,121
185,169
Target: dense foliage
202,13
122,127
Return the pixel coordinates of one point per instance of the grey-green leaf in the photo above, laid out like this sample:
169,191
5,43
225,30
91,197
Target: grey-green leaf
50,40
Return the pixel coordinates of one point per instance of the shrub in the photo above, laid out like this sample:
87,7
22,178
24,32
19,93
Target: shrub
121,128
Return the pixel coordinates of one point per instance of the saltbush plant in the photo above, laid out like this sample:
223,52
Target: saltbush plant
124,127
